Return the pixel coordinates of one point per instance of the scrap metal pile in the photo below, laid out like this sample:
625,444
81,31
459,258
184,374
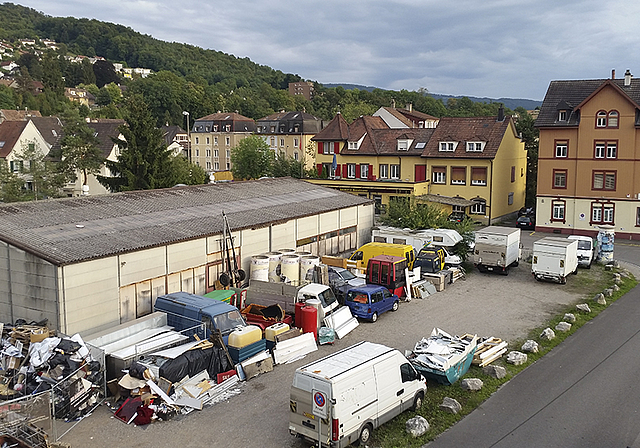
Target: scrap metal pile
33,359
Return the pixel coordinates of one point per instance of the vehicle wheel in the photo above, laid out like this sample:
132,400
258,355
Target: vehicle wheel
365,434
417,402
395,306
506,271
515,264
576,271
538,278
589,266
481,268
374,317
563,281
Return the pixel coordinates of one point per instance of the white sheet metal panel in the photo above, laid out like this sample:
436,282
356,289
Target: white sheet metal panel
142,265
283,235
90,295
329,221
143,298
127,303
186,280
199,278
254,242
186,255
348,217
307,227
28,291
158,288
173,283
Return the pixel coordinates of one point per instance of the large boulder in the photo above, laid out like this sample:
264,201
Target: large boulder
417,426
547,334
599,299
583,307
495,371
563,326
472,384
530,346
516,358
607,292
450,405
569,317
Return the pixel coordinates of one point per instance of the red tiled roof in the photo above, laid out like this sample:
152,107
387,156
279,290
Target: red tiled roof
10,132
337,130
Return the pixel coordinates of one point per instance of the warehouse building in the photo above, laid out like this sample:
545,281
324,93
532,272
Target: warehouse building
89,263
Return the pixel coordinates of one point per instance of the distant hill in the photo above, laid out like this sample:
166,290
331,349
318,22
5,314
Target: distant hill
510,103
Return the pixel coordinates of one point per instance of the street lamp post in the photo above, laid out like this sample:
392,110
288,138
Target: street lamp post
186,114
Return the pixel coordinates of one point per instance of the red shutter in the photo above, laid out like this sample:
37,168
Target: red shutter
319,147
336,147
345,172
357,171
319,166
337,173
370,172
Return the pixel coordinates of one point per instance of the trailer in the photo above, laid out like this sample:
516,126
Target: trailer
554,259
497,249
419,239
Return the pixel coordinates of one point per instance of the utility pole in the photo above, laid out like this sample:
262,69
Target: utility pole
186,114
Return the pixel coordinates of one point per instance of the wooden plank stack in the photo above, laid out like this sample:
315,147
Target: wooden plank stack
489,350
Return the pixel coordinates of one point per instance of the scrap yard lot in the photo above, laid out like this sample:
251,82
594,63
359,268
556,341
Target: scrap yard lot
488,305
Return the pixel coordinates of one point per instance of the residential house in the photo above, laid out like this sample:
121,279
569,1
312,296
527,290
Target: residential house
17,140
81,96
8,66
50,128
290,133
213,137
406,118
105,131
589,157
475,165
177,140
304,88
18,114
477,159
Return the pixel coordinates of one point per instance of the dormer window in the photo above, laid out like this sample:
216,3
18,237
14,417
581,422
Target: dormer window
215,128
353,145
448,146
228,128
475,146
562,115
403,145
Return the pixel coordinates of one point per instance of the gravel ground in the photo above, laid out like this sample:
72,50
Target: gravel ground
486,304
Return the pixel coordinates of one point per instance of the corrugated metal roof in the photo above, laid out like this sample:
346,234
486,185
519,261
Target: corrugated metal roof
70,230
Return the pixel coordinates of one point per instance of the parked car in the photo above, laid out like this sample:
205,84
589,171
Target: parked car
526,211
341,280
369,301
526,222
458,217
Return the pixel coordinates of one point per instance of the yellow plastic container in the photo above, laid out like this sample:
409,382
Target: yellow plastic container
245,336
271,332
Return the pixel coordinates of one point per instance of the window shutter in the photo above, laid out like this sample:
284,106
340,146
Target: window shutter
345,170
319,166
336,147
337,172
357,171
319,147
370,172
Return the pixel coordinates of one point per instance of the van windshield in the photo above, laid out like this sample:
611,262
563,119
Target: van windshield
347,275
228,321
327,297
584,245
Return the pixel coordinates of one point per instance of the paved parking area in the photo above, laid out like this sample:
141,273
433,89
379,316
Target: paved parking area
485,304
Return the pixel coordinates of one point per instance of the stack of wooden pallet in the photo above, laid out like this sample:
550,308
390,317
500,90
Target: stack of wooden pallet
489,350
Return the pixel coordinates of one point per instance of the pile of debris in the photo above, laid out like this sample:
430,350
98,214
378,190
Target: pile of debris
33,359
174,381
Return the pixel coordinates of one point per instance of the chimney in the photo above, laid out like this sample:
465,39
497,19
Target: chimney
613,73
393,103
500,113
409,107
627,78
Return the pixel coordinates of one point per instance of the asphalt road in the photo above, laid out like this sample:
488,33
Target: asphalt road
582,394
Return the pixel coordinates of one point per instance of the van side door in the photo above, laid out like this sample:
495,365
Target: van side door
391,391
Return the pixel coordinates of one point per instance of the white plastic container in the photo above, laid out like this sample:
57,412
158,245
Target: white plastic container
260,268
290,268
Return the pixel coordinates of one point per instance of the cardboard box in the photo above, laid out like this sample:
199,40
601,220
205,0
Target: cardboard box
39,335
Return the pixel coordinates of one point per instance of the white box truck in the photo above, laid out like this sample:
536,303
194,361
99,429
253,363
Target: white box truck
554,259
444,238
344,396
497,249
586,250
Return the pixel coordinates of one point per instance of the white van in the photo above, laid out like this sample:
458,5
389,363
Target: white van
586,249
347,394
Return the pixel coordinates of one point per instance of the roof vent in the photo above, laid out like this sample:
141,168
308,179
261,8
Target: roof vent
627,78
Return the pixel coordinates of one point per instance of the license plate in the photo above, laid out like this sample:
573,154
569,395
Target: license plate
311,416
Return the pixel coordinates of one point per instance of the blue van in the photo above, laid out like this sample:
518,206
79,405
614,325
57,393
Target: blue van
369,301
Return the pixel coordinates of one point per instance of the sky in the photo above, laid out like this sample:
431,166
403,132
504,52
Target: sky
482,48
